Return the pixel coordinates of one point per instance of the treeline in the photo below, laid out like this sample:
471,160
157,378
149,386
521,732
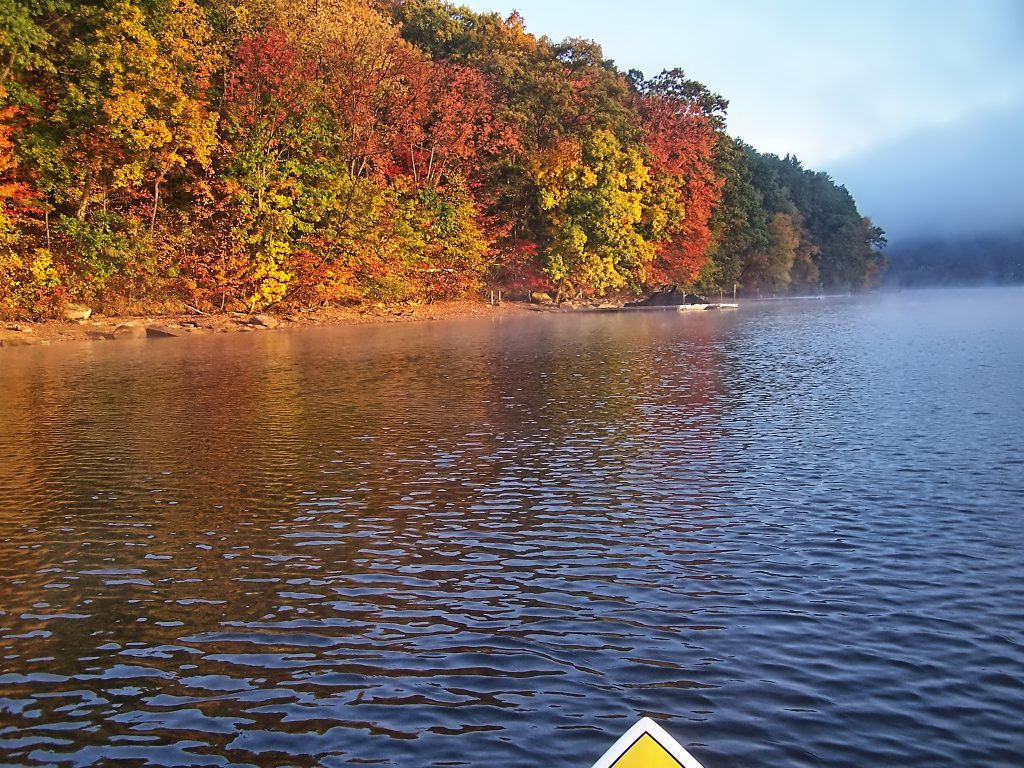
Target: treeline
245,153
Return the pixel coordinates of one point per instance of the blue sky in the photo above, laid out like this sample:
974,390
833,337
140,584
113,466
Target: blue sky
883,94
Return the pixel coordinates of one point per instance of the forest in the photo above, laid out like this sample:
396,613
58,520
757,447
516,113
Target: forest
239,155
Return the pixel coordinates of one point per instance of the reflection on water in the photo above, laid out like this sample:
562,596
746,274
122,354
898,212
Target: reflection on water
792,534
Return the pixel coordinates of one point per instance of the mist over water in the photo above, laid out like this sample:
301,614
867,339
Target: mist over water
965,262
792,534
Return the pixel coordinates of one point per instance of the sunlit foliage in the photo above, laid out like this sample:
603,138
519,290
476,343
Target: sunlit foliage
242,154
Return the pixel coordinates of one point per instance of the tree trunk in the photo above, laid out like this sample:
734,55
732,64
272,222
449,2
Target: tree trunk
156,205
83,204
5,77
430,166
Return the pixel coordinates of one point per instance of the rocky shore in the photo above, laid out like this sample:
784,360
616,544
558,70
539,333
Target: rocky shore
85,326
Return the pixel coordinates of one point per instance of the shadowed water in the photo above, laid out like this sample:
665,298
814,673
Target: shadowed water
792,534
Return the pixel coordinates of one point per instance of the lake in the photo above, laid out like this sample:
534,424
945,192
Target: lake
792,534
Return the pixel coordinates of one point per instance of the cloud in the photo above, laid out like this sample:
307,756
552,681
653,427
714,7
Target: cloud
826,80
956,179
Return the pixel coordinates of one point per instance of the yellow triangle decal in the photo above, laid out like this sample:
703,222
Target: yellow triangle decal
646,753
646,745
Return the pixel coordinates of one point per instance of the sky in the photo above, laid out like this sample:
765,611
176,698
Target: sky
916,106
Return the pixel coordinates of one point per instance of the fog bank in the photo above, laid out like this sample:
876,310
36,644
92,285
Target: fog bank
953,180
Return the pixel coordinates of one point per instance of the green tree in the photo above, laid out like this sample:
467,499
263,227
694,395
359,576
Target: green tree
838,251
739,223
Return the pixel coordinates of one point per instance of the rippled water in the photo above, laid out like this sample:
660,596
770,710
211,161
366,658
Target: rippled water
793,534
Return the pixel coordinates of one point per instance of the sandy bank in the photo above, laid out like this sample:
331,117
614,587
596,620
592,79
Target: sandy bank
99,328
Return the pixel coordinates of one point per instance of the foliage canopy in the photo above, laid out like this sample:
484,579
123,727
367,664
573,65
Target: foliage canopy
244,153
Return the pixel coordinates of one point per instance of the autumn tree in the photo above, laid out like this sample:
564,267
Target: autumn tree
535,103
592,193
25,44
457,131
122,107
352,157
681,120
23,272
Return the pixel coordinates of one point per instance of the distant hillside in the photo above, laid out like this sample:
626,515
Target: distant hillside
965,261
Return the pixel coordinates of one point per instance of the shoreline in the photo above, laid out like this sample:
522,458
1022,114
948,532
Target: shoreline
113,328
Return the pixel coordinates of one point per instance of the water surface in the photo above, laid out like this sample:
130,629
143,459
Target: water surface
792,534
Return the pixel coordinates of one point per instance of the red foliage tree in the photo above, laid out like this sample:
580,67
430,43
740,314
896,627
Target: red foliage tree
681,120
458,128
267,83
